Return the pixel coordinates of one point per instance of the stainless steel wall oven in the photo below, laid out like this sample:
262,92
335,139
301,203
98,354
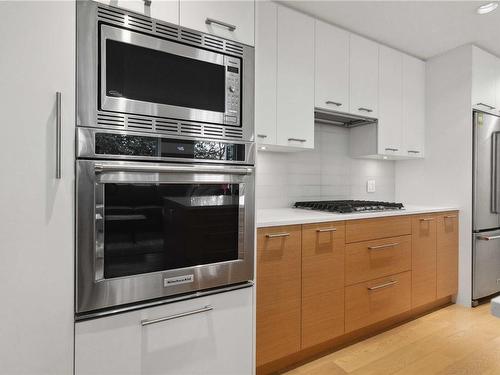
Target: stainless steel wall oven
142,74
165,162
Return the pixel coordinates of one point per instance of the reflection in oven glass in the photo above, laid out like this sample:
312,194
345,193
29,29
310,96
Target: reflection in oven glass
155,227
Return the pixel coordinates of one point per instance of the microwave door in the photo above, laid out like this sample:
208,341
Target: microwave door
486,172
145,75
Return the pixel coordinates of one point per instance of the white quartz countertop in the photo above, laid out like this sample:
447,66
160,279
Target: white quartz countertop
270,217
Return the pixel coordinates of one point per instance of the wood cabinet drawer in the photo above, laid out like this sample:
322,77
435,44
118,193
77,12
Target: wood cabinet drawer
372,229
322,282
278,292
374,259
373,301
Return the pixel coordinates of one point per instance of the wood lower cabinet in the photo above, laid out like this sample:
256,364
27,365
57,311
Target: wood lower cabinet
278,292
322,282
423,259
371,229
447,254
372,301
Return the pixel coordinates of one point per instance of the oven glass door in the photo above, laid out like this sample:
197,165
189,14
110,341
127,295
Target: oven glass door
152,230
145,75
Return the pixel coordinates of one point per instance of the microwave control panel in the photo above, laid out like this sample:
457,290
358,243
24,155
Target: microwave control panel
233,91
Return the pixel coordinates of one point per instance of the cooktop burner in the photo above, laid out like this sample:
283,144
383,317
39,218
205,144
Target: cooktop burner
349,206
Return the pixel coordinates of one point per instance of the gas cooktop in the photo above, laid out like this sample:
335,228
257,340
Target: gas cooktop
349,206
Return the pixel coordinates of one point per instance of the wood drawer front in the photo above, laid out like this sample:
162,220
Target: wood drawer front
374,259
372,229
447,254
392,296
323,247
423,259
278,292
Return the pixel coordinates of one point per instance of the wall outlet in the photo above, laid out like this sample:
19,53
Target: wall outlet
370,186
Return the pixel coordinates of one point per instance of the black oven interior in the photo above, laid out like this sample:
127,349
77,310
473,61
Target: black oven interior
156,227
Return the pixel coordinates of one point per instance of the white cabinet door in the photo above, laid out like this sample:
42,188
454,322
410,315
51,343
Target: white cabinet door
413,107
227,19
390,119
295,82
37,45
265,71
217,341
484,78
363,76
164,10
331,68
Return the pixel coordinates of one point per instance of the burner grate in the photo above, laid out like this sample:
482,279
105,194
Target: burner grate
348,206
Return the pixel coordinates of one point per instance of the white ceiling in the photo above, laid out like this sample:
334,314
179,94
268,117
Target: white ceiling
421,28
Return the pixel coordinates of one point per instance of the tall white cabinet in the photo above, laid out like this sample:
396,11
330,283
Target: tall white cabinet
36,235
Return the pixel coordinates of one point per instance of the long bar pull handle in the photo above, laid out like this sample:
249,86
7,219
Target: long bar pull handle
100,168
365,109
322,230
394,244
58,136
488,238
147,322
297,139
385,285
427,219
334,103
262,135
228,26
486,105
495,175
450,216
277,235
413,152
391,149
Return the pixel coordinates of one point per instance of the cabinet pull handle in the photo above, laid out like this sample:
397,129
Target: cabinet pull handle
413,152
394,244
262,135
334,103
392,149
385,285
450,216
58,136
228,26
427,219
326,230
277,235
147,322
365,109
486,105
488,238
297,139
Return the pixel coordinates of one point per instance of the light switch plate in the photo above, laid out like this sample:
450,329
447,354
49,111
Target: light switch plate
370,186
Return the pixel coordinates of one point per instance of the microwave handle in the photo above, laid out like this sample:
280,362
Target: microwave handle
100,168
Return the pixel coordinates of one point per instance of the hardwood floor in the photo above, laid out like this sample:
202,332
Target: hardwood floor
454,340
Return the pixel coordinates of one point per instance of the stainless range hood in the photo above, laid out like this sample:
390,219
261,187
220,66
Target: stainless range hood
345,120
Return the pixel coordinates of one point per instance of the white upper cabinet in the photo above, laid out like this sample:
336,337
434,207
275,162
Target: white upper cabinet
227,19
413,107
390,124
164,10
363,76
331,67
484,80
295,79
266,18
36,235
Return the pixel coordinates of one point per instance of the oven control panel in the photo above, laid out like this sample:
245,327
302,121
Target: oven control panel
233,91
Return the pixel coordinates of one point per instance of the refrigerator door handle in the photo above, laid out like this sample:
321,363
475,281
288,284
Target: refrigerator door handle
488,238
495,175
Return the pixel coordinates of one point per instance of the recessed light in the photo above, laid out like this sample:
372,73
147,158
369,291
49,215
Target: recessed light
263,147
487,8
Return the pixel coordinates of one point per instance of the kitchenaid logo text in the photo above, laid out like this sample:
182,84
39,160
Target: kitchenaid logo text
184,279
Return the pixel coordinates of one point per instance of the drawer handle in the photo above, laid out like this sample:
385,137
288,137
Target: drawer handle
427,219
262,135
175,316
277,235
450,216
488,238
413,152
228,26
394,244
391,149
326,230
334,103
297,139
365,109
381,286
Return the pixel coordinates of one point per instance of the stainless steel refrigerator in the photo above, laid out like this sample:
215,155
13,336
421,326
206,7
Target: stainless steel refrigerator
486,206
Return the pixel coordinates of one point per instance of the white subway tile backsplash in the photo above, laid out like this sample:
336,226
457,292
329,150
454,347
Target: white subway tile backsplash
327,172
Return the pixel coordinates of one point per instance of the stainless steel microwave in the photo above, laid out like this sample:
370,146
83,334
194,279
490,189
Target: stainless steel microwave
136,73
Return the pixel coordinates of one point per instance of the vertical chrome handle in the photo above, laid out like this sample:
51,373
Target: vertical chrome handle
58,136
495,183
228,26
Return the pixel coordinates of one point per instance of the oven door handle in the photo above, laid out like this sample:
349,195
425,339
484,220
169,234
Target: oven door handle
100,168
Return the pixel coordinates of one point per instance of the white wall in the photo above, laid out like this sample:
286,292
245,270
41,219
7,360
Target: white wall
444,177
327,172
